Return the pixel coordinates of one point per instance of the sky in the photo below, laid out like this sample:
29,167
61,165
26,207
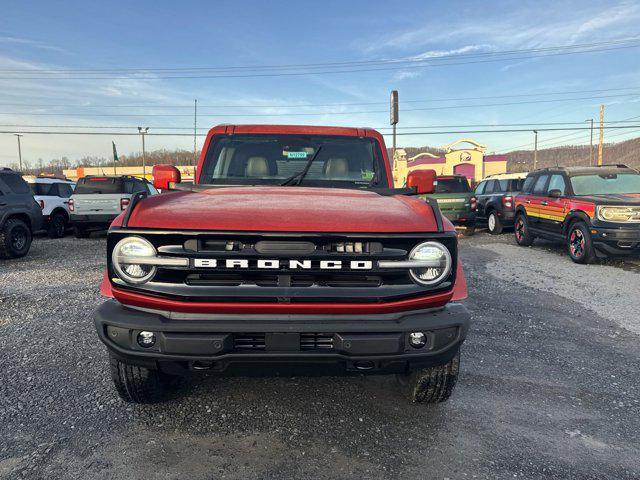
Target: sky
106,64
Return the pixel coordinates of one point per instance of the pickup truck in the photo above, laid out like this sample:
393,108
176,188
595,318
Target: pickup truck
291,254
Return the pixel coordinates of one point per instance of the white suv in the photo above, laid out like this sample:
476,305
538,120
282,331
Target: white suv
52,193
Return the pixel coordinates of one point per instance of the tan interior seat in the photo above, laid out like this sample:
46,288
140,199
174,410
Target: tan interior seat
336,168
257,167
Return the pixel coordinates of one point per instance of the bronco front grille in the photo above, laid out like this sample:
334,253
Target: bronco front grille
285,268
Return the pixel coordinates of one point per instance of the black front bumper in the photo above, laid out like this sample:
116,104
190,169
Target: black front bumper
617,241
283,344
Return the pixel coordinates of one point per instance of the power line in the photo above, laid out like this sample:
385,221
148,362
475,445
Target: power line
414,59
338,104
298,114
430,63
447,132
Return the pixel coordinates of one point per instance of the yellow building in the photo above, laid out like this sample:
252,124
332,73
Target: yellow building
470,162
76,173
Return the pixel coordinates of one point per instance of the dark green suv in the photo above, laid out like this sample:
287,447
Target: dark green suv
457,201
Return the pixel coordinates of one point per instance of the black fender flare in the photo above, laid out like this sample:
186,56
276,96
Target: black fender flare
574,216
59,210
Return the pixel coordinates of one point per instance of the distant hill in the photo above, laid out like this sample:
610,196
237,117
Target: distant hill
627,152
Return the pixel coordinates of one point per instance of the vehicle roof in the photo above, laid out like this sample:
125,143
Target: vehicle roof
599,170
114,176
450,177
293,129
33,179
506,176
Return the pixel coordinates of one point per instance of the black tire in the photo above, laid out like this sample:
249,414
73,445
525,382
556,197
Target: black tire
579,244
494,224
80,232
431,385
139,384
469,231
523,235
57,226
15,239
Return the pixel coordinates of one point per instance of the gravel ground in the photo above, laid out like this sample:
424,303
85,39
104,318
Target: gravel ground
549,387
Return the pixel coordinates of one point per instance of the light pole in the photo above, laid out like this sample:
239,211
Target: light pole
143,131
535,150
590,142
19,150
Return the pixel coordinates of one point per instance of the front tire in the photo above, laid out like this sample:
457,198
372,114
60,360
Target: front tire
15,239
57,226
579,243
523,235
494,224
136,384
431,385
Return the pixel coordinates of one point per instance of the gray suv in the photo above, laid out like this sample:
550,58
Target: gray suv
20,215
97,200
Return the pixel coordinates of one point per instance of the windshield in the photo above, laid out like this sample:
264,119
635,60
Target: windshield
93,185
343,161
609,183
452,185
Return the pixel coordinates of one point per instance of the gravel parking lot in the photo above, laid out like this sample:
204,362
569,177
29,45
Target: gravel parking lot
549,386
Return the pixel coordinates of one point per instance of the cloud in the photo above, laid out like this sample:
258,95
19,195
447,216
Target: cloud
32,43
516,29
405,74
454,51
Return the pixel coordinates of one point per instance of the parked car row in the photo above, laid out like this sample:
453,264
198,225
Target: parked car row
595,211
29,204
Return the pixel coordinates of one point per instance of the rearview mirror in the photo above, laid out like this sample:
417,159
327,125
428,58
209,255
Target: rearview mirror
163,175
555,193
422,180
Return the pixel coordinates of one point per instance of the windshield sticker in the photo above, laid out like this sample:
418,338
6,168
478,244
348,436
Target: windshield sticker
296,154
367,174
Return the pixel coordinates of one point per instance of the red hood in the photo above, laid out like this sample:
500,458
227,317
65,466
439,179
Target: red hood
290,209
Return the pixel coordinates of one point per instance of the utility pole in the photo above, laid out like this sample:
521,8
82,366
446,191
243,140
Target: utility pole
601,135
590,142
195,129
19,150
143,132
535,150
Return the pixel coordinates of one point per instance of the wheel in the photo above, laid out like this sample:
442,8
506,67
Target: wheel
524,237
579,243
431,385
57,226
15,239
469,231
494,223
136,384
80,232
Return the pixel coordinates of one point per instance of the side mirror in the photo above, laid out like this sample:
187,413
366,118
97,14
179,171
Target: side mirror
555,193
163,175
422,180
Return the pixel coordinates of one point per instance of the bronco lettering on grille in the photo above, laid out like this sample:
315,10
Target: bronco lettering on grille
238,263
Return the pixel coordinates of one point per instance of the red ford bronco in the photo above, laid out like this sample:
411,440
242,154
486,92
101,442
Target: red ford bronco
291,254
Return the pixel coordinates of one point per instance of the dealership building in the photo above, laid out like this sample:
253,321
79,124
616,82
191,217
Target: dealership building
469,161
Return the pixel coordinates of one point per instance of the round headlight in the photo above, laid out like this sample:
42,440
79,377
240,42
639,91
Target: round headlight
124,257
439,260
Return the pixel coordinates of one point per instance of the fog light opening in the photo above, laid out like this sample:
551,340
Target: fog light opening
417,339
146,339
